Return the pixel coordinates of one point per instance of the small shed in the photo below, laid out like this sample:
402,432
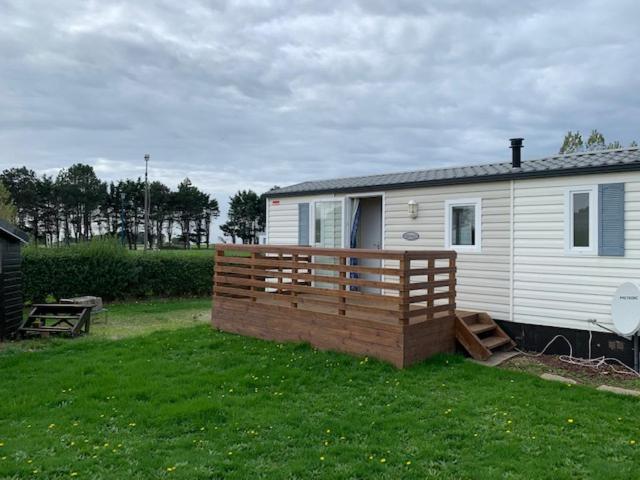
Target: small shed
11,298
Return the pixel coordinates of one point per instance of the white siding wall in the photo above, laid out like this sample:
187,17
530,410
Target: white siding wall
483,278
552,287
282,218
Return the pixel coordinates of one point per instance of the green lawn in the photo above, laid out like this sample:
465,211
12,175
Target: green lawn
193,403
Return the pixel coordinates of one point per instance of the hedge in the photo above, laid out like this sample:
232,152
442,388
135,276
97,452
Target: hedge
108,270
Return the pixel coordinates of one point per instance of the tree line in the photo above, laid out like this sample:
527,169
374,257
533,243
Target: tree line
573,142
76,206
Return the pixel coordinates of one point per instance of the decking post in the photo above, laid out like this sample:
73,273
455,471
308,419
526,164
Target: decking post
294,280
431,265
342,287
452,284
280,270
254,256
404,292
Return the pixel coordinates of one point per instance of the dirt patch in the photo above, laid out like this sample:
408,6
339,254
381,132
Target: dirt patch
605,374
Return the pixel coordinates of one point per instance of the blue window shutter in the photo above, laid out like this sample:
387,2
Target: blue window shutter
303,224
611,219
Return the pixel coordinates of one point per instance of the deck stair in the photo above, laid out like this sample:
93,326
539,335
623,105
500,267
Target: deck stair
56,318
480,335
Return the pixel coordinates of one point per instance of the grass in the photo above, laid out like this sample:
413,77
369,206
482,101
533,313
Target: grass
193,403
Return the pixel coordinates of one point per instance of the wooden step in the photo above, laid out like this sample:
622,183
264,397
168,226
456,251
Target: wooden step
479,328
480,335
469,317
494,341
53,316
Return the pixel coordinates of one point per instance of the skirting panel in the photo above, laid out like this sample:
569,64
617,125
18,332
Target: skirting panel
400,345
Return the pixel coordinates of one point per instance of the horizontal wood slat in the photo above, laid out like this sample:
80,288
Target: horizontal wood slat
313,278
336,252
387,299
290,264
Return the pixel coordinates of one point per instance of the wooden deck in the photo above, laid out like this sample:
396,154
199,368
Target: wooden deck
401,309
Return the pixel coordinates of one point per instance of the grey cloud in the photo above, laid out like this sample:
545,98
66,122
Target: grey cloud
256,93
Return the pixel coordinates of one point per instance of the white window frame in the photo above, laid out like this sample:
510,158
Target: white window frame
463,202
592,249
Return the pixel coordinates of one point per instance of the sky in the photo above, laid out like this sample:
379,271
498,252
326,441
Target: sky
255,93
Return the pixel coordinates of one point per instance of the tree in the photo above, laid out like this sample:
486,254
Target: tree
246,217
81,193
48,210
572,142
190,205
159,210
22,184
7,208
595,141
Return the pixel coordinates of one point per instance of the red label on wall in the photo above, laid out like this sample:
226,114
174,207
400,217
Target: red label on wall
275,202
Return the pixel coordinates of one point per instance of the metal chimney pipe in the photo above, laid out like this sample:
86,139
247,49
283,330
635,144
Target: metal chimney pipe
516,148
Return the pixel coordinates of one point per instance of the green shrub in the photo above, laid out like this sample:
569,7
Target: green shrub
106,269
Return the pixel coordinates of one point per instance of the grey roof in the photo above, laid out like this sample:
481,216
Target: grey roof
599,161
12,232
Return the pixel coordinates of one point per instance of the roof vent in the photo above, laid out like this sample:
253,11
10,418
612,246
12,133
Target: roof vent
516,148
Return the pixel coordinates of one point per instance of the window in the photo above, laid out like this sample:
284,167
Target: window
328,224
463,231
581,220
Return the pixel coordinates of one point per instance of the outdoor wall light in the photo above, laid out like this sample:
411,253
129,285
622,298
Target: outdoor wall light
413,209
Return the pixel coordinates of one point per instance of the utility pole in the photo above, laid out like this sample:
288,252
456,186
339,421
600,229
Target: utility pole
146,201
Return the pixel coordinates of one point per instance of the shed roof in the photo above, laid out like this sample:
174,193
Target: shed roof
11,232
599,161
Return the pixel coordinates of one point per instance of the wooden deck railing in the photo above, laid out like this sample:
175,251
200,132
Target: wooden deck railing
401,286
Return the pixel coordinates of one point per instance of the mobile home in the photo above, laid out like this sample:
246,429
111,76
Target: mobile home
542,244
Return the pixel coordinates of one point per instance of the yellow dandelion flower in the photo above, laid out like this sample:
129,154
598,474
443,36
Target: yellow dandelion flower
132,424
29,461
322,459
74,474
370,457
52,425
383,460
328,430
632,442
1,444
408,462
569,420
230,453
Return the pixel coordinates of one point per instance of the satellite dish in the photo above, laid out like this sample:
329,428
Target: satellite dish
625,309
